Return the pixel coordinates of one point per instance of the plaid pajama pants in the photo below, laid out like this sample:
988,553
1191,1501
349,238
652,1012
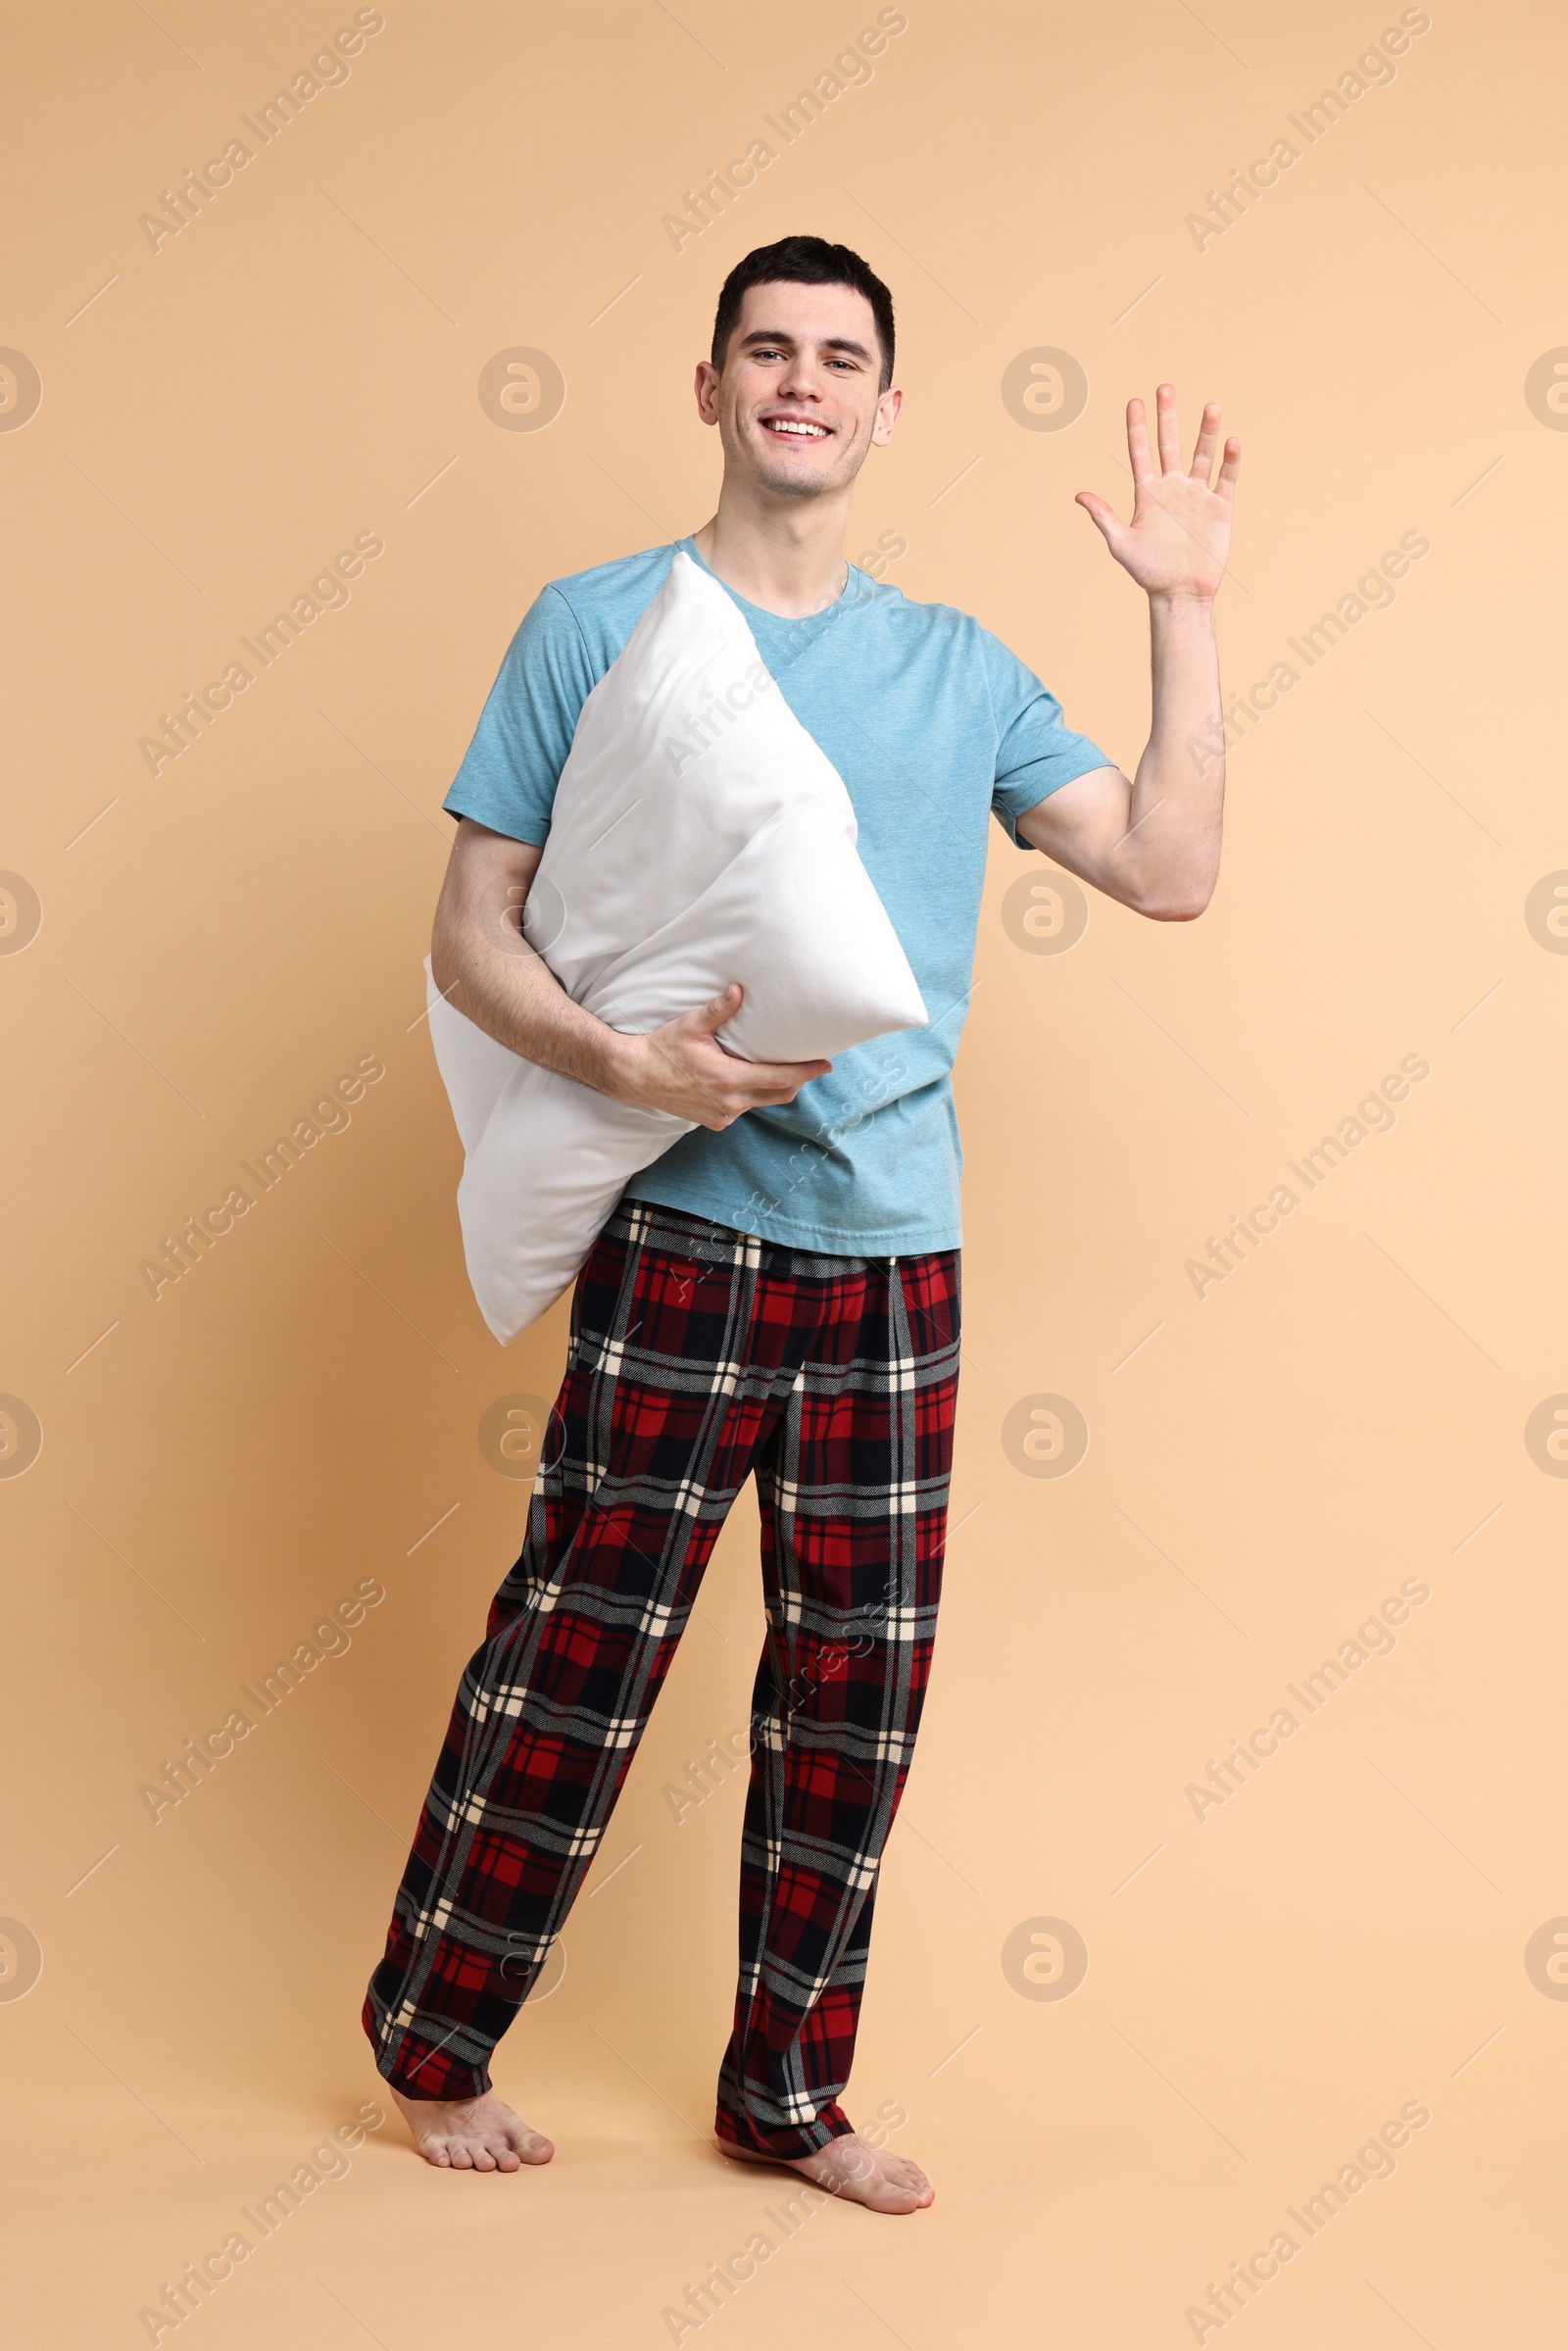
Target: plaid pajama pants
697,1355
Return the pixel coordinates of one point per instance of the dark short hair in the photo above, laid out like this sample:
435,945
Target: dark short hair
804,261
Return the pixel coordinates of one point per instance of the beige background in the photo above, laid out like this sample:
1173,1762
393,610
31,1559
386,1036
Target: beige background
1349,1931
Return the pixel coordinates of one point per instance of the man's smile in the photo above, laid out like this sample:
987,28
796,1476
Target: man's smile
802,428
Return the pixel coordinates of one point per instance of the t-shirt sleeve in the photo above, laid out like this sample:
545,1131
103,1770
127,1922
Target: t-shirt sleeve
1037,750
510,770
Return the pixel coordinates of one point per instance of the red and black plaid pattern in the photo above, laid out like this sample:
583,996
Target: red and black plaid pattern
698,1355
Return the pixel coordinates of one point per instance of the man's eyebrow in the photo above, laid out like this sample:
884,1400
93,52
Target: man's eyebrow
766,335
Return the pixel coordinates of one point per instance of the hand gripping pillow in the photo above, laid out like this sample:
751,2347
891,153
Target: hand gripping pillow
699,836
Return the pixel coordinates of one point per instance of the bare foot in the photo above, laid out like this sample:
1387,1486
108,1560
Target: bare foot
471,2134
849,2168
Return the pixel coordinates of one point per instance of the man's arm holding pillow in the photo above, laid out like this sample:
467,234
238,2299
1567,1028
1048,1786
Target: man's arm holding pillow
486,970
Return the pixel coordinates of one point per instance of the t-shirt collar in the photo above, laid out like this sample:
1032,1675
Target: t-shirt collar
854,588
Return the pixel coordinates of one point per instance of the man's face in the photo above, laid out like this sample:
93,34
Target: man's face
797,403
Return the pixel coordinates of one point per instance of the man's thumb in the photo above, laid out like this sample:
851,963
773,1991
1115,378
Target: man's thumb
1105,517
721,1007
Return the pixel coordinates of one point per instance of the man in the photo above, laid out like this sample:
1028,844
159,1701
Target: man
778,1294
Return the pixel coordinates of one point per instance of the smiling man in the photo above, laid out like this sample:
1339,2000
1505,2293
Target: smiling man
778,1295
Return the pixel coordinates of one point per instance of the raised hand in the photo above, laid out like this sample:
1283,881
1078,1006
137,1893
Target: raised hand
1180,532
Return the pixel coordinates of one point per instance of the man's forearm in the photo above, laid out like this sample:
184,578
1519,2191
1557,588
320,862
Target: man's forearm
1171,849
1152,844
485,969
513,995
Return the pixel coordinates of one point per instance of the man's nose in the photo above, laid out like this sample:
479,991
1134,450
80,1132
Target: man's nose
800,381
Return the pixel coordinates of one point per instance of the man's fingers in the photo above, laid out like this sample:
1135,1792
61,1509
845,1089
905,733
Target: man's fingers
780,1077
1225,479
1169,430
723,1007
697,1078
783,1085
1203,449
768,1084
1139,454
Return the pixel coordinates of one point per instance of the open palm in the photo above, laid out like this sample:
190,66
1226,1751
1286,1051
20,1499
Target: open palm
1180,532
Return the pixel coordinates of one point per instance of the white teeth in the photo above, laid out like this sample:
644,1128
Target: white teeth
813,432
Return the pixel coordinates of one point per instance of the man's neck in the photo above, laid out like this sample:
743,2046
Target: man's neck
786,556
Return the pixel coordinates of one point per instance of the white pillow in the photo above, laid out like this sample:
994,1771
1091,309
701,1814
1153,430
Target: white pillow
699,836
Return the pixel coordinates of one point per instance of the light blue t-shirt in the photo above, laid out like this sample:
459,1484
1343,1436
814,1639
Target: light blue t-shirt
933,726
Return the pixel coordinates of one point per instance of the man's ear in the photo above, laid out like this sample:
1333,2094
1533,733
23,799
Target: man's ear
705,388
887,415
